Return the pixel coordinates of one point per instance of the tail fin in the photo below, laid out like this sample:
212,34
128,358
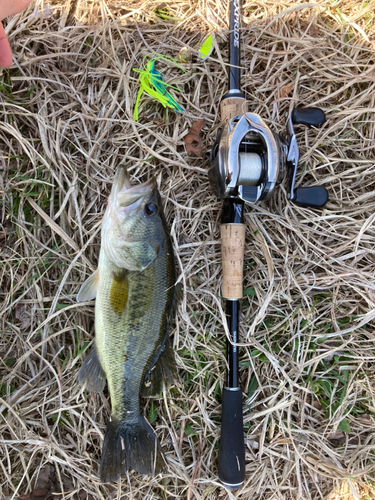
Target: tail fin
132,444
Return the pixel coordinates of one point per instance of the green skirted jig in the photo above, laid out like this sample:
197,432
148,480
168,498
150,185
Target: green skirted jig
152,82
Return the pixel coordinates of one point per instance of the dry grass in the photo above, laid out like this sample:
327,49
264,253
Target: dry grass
308,321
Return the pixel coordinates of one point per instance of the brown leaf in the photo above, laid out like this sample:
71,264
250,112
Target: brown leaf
183,239
314,30
8,230
317,405
311,29
44,477
193,141
337,438
42,487
286,89
22,315
39,494
336,435
83,495
66,483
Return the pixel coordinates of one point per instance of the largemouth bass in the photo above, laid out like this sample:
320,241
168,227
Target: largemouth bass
136,295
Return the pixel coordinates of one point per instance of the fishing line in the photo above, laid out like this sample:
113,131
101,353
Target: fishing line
250,169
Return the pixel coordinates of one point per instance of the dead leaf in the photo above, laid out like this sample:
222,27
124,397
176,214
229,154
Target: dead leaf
282,441
311,29
314,30
344,492
40,493
336,435
286,90
183,239
23,316
44,477
8,230
42,487
83,495
317,405
67,484
193,141
365,419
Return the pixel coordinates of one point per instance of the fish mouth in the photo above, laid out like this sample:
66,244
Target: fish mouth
125,193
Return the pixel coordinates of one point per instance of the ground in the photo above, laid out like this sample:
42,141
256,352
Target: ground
308,313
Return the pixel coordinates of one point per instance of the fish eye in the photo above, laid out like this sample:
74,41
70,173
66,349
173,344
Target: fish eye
151,209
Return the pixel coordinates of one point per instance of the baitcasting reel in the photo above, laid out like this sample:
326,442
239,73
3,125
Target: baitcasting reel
248,160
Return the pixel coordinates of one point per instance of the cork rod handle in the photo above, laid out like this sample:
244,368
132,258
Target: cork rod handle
232,106
232,254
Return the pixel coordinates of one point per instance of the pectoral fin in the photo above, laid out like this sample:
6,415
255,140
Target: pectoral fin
89,288
91,375
162,373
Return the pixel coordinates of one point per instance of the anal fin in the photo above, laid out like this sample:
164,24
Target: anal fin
91,375
162,373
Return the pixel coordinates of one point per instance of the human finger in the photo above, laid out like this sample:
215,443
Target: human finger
5,52
10,7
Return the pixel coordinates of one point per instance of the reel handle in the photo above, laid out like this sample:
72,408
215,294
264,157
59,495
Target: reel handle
232,450
314,196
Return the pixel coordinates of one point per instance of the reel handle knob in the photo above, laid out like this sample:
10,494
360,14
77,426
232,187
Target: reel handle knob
314,196
308,116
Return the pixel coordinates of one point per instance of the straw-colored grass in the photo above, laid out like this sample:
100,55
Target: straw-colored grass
308,319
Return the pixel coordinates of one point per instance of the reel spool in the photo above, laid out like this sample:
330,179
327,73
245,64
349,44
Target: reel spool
251,169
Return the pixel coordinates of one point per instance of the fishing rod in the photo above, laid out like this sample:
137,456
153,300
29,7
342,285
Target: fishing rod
247,162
